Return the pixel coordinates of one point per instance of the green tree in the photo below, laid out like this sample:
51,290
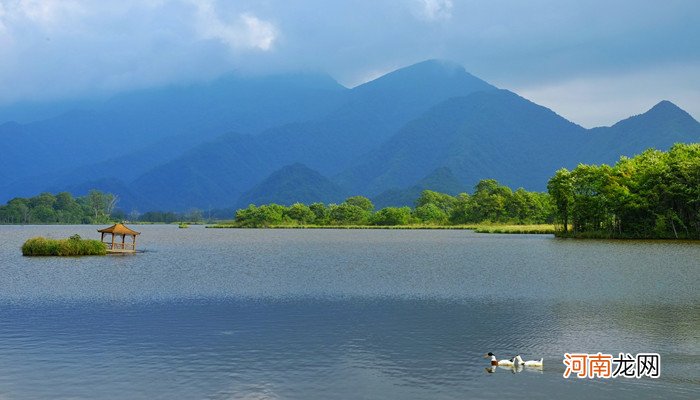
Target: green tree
430,213
443,201
360,201
348,214
263,216
321,213
301,213
464,210
391,216
490,201
101,205
561,190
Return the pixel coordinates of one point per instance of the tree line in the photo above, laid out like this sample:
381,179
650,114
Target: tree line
655,194
490,202
94,208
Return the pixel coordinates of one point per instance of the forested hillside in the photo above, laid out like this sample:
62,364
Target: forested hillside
222,144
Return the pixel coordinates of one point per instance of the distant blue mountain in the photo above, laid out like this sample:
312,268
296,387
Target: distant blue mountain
291,184
217,172
131,133
660,127
440,180
431,125
495,134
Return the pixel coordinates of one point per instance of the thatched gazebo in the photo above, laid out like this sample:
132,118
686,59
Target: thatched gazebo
116,230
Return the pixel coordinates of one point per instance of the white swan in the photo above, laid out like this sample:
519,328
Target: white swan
531,363
500,363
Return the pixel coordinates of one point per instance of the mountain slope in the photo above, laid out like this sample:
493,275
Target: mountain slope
136,125
440,180
214,174
427,126
291,184
495,134
660,127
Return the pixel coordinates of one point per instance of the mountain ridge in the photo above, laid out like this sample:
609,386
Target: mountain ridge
381,138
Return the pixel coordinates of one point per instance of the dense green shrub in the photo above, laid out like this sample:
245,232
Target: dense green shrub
652,195
490,202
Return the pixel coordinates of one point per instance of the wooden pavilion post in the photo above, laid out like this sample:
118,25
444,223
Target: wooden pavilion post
116,247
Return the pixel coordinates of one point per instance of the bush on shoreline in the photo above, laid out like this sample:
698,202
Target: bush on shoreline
73,246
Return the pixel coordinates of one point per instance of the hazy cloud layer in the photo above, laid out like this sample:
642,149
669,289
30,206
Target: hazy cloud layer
578,57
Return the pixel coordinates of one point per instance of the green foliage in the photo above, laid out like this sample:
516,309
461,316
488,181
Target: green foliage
260,217
360,201
492,202
561,191
73,246
300,213
391,216
62,208
431,214
348,214
321,213
444,202
653,195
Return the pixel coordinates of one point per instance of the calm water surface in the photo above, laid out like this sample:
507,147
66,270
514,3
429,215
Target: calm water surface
317,314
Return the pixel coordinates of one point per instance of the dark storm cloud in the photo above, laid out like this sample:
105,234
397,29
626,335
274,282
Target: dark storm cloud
568,55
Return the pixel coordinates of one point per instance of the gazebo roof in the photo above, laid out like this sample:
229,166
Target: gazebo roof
119,229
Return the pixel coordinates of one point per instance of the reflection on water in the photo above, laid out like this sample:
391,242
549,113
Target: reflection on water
323,348
342,314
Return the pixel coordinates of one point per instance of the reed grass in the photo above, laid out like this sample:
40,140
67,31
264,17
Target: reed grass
73,246
539,229
479,228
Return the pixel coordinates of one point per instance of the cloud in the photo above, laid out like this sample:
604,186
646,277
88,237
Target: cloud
435,10
604,100
48,14
3,28
568,55
246,31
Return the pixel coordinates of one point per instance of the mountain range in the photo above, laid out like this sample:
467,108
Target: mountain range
304,137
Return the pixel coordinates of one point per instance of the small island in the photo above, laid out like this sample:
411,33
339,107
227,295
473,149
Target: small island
77,246
73,246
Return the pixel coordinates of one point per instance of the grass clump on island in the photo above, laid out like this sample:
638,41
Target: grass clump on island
73,246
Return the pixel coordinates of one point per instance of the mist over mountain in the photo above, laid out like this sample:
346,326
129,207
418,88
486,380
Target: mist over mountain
133,132
329,144
287,138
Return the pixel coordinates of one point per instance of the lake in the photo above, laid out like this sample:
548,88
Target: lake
349,314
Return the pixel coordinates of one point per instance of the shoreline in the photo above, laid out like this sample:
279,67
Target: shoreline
478,228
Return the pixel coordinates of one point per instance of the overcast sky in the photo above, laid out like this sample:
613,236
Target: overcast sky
594,62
